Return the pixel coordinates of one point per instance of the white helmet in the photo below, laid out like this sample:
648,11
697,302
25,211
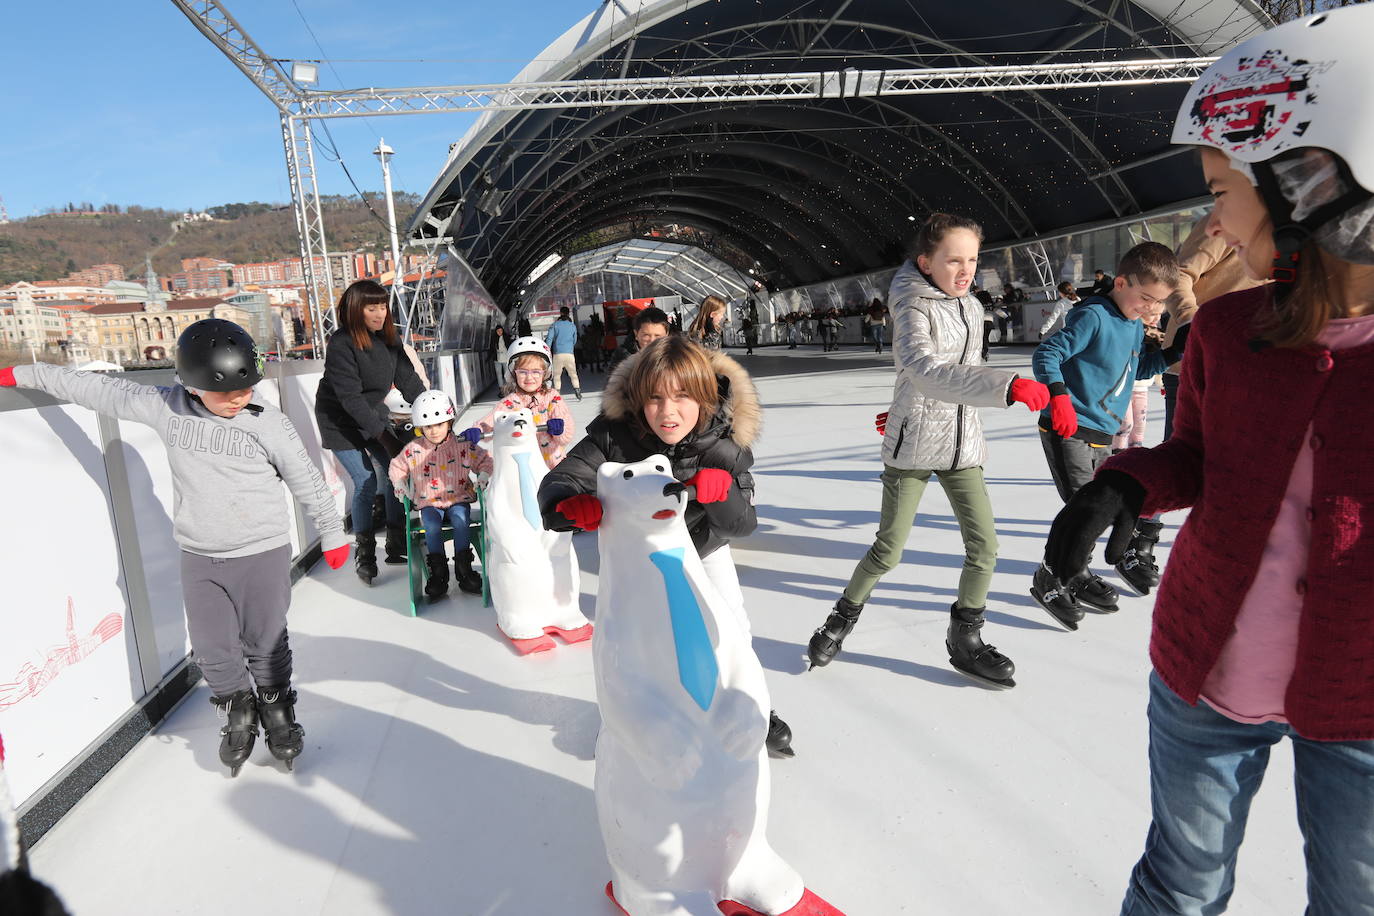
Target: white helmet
396,403
524,345
431,407
1301,86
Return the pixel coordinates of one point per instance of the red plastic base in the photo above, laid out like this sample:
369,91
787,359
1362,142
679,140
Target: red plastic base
581,634
536,644
808,905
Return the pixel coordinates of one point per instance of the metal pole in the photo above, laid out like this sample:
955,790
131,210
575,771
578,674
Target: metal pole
398,302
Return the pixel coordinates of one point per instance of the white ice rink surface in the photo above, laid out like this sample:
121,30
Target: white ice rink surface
443,774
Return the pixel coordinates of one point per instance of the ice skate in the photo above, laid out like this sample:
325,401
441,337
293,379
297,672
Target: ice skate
468,580
277,709
436,581
826,642
1055,598
1137,566
968,653
365,556
240,731
1093,591
779,740
395,545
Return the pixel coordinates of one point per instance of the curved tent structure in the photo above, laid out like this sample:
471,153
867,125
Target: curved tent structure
810,191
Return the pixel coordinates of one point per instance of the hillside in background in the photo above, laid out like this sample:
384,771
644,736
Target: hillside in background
52,246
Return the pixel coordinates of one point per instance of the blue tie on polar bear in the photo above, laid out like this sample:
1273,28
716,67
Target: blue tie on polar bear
682,779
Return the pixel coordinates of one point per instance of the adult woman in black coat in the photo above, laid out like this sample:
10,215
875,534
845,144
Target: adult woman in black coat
362,361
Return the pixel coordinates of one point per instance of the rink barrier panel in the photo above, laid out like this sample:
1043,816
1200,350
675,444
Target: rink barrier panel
60,743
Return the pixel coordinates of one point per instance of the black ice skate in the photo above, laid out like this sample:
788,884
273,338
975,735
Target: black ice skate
826,642
240,731
395,545
968,653
1094,592
436,582
1055,598
365,556
277,709
1137,566
779,740
468,580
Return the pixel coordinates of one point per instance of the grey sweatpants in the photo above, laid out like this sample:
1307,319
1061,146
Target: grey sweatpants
236,615
1072,462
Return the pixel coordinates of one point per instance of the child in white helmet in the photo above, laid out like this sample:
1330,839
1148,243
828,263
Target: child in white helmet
530,389
435,472
1263,627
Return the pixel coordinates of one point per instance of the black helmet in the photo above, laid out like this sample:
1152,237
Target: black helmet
217,355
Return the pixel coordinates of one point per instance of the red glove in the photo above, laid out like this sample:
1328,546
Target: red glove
583,510
1031,393
712,484
7,377
337,557
1062,415
880,421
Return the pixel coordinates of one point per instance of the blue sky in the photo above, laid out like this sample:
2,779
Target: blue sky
126,102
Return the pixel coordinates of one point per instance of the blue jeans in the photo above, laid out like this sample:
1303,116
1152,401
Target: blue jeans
1204,771
458,516
875,334
366,479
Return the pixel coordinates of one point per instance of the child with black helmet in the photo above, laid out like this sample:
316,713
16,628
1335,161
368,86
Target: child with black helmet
1263,627
229,456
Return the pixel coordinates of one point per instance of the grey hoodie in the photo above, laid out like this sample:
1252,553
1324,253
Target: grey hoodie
226,473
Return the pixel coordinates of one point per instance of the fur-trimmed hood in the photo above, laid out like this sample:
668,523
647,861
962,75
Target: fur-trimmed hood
739,411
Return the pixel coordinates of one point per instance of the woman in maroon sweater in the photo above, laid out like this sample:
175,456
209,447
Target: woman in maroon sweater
1264,622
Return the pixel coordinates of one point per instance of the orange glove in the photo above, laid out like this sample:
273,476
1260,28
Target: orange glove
1062,415
583,510
712,484
337,557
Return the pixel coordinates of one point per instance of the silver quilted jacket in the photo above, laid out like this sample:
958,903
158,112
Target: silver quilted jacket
937,344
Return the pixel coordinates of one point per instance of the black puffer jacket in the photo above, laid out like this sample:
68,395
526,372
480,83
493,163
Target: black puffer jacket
348,404
725,443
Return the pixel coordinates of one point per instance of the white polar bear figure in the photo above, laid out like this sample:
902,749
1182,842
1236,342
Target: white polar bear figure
533,574
682,779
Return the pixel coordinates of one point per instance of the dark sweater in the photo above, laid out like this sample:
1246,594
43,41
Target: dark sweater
1233,470
348,404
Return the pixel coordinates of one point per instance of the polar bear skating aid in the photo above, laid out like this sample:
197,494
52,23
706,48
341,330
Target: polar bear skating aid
533,574
682,779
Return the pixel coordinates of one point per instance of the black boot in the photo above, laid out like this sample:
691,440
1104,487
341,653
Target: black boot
1055,598
779,740
1137,566
395,545
578,393
468,581
970,655
436,582
365,555
826,642
277,709
240,730
1094,591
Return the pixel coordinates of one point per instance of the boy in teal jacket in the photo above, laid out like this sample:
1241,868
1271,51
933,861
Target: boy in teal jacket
1090,366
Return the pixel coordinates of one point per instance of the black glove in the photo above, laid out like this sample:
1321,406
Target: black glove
1111,498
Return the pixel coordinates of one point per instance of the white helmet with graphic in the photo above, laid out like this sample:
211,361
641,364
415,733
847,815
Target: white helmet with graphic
396,403
1279,105
431,407
526,345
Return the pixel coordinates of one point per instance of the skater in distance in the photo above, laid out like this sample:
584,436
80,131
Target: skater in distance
229,456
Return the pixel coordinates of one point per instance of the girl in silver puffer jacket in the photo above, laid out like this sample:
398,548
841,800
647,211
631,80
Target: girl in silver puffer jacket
933,427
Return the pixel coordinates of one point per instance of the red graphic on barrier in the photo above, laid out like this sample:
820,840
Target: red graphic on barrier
32,679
